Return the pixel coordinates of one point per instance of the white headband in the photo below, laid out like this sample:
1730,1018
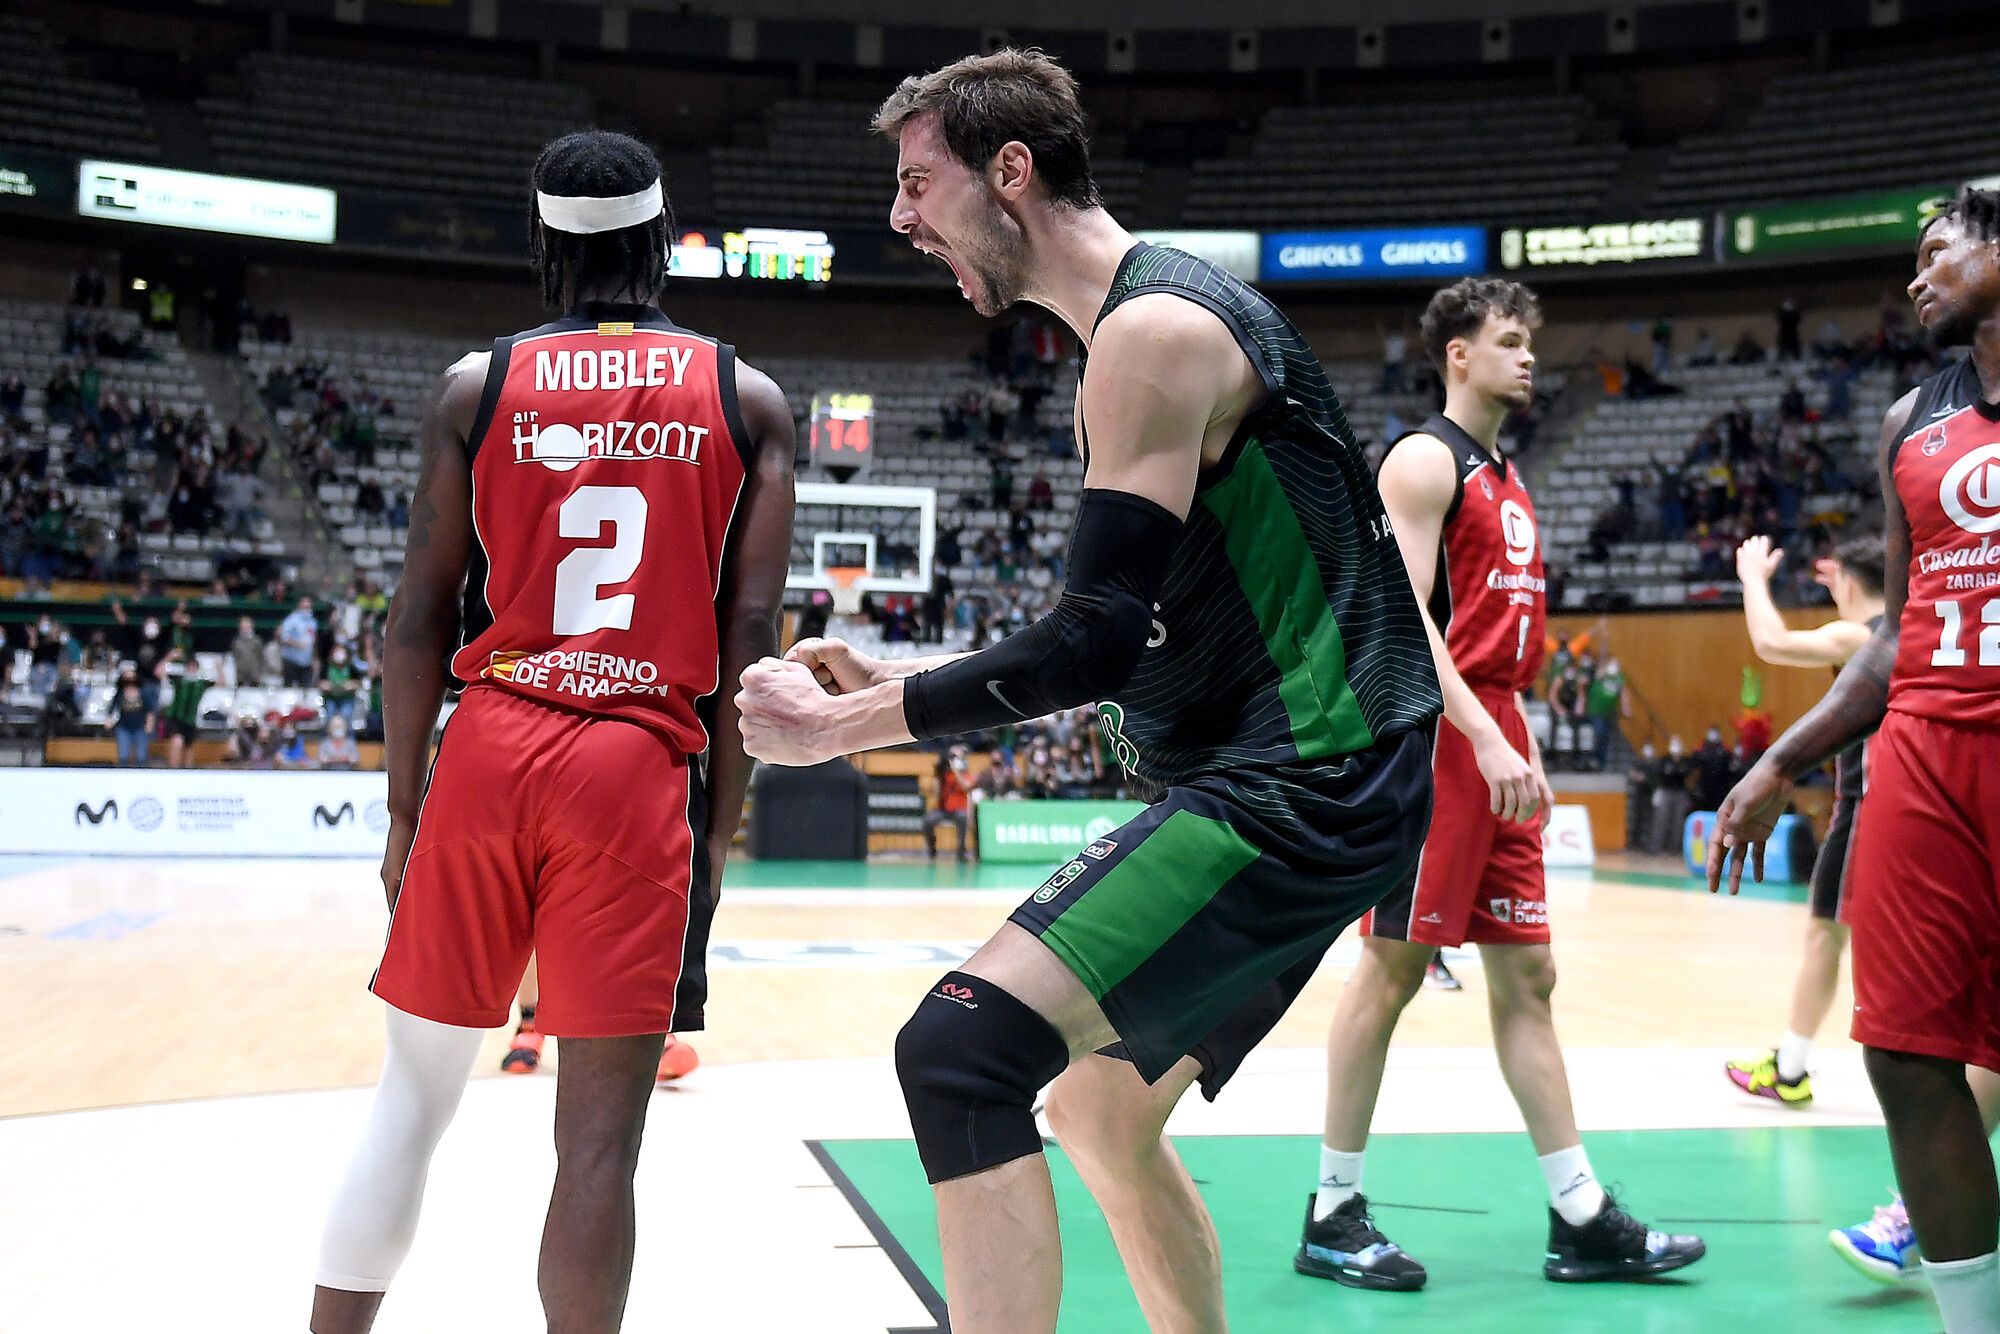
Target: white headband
588,213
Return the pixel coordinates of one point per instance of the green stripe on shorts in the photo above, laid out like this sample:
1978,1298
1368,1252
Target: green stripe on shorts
1139,904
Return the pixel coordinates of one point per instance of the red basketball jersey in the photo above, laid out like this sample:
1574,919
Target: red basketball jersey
1947,473
607,459
1489,595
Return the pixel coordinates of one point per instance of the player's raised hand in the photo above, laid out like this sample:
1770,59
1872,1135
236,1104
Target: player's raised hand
1511,786
1757,560
783,713
838,666
1748,815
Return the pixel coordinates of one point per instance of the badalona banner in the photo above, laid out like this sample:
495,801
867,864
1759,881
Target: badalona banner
193,813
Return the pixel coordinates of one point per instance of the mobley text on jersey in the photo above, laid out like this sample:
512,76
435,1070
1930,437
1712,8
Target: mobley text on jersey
565,369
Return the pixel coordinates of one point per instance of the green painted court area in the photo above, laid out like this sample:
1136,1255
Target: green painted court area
1472,1208
916,873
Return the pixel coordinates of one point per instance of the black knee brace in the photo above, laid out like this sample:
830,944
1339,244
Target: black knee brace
971,1060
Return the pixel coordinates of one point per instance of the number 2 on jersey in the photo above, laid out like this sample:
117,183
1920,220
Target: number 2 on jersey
1948,653
578,609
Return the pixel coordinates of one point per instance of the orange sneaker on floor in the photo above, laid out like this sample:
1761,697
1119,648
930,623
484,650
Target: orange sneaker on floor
524,1054
677,1060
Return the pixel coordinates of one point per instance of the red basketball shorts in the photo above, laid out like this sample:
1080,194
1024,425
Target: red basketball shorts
1924,896
576,838
1480,878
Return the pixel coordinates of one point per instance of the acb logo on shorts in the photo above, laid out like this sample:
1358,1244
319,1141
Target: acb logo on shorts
1059,882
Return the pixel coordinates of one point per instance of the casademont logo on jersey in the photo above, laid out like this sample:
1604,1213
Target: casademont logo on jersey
1970,491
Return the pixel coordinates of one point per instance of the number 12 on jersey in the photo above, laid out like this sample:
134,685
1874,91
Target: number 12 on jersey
578,608
1948,653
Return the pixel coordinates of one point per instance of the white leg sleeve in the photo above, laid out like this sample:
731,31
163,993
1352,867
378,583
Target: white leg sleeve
373,1218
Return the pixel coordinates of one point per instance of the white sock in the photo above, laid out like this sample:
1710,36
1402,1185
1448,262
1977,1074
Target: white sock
1339,1180
1967,1292
1573,1189
1792,1054
373,1217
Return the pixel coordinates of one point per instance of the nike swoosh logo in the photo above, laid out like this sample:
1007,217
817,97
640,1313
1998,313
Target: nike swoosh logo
993,689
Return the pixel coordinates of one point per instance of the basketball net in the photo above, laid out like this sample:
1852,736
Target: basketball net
846,588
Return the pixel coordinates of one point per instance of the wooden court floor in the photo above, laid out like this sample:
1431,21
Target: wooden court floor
140,982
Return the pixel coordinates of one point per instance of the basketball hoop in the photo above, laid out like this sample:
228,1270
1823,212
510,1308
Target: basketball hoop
846,588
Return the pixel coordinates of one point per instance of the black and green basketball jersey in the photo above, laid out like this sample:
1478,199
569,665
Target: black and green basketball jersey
1286,636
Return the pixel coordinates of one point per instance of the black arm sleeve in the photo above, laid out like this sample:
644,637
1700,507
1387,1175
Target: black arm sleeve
1082,651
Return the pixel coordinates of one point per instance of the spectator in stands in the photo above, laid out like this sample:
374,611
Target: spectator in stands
1395,352
62,707
217,594
241,496
1076,768
1839,375
1704,353
1671,798
373,602
1001,405
98,657
298,637
185,687
14,541
1001,779
1607,705
1747,352
13,396
337,749
1663,344
399,512
1041,496
87,287
1788,341
1002,470
291,752
1792,403
954,802
246,653
339,684
1831,341
1714,771
131,722
1641,781
1566,702
61,399
243,739
160,306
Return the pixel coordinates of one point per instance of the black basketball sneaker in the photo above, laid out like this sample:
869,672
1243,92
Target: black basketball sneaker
1346,1247
1614,1245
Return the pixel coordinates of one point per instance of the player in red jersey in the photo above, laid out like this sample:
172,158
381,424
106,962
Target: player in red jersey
1925,901
1467,531
611,498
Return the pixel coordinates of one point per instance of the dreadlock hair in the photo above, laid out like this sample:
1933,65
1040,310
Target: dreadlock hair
1977,211
1864,560
631,261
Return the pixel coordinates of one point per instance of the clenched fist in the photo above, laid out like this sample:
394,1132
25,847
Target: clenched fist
839,667
784,714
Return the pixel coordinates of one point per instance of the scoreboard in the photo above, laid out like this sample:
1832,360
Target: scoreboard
842,434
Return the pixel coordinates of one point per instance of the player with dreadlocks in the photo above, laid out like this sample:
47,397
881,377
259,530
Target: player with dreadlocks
1925,910
598,537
